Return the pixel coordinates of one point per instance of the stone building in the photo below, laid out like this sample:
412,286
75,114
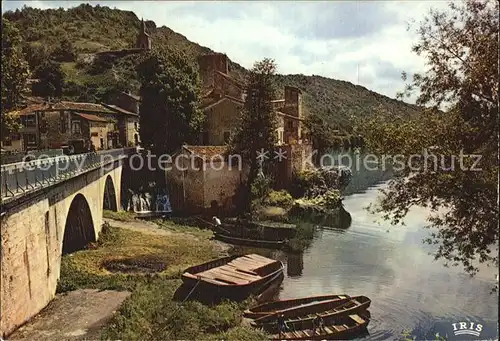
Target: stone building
143,40
204,178
52,125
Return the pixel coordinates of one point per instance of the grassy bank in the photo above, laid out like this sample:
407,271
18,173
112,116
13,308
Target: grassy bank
149,265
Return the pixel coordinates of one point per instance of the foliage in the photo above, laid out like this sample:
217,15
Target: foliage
461,47
120,215
51,80
279,198
15,73
65,52
169,106
315,182
257,126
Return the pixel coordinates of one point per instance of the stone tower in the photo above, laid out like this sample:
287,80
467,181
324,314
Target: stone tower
143,39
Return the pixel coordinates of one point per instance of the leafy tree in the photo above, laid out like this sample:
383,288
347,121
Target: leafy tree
36,54
461,48
257,127
51,80
15,72
169,109
65,52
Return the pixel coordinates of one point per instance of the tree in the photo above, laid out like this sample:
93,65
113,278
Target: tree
460,89
51,80
257,127
15,73
65,52
169,108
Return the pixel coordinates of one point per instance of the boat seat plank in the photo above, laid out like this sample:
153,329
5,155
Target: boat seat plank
241,275
244,271
258,259
213,281
357,318
307,332
328,330
233,280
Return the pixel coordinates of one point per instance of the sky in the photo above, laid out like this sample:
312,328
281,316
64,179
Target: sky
363,42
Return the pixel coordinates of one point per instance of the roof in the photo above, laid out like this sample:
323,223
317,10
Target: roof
289,116
92,118
137,98
206,152
32,108
218,101
119,110
81,106
229,78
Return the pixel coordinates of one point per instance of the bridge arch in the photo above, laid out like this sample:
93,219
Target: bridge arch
109,196
79,228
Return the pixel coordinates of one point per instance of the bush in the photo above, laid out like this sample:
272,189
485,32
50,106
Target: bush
279,198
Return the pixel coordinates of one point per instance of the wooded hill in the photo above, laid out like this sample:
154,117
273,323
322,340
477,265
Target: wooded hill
72,37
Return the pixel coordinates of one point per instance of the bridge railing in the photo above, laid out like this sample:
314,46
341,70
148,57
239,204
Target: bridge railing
21,178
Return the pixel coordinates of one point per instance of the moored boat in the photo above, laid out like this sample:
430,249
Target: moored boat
344,328
274,244
355,305
303,310
272,307
233,277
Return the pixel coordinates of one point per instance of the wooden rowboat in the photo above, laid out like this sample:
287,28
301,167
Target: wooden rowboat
344,328
233,277
355,305
303,310
272,244
273,307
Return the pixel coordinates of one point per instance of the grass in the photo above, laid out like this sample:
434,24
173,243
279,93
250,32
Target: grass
121,215
150,312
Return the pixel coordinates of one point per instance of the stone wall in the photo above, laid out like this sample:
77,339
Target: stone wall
220,119
32,240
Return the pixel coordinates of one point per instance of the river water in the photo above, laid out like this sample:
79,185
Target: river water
409,290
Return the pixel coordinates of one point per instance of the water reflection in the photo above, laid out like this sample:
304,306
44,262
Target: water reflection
409,290
294,265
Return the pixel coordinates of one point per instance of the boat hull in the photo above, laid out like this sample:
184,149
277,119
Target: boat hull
237,292
250,242
273,307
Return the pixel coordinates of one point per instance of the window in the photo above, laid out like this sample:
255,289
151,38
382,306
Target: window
7,142
30,121
30,139
290,124
64,124
75,127
227,136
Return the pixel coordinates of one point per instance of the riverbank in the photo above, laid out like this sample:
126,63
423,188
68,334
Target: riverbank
147,260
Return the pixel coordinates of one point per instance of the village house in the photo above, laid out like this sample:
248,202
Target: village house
204,178
53,125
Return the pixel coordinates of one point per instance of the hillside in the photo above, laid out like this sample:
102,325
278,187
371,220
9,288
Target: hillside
90,29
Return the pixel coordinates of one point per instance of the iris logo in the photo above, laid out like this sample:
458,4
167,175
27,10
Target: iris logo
467,328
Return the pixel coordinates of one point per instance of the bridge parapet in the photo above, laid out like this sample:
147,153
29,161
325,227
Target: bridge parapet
22,178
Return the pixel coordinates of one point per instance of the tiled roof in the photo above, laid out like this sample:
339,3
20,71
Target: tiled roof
80,106
217,101
119,110
289,116
137,98
236,82
32,108
90,117
207,152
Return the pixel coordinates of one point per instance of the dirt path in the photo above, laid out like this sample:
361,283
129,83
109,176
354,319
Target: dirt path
78,315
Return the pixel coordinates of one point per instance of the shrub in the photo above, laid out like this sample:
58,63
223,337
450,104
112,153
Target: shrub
279,198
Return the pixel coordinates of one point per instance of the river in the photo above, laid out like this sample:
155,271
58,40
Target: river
409,290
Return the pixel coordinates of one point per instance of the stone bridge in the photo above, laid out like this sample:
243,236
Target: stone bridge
50,207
